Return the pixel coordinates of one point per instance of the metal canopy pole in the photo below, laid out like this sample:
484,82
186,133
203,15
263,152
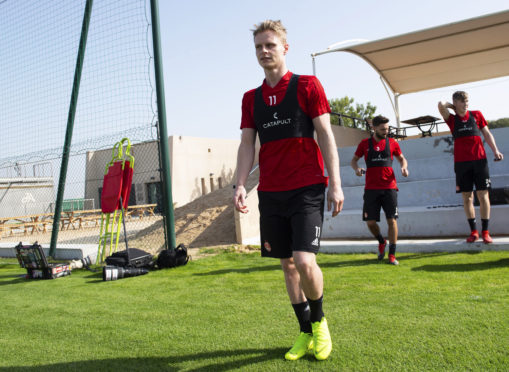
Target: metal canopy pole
396,103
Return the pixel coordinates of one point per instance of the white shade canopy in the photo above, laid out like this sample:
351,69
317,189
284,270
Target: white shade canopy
471,50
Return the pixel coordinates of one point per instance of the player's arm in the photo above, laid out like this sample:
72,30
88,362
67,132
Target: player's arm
403,163
443,108
355,166
490,140
330,155
245,159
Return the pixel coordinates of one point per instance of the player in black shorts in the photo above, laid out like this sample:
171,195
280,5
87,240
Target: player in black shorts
284,112
381,190
470,163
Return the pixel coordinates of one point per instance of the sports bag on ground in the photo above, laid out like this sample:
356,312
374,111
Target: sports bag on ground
137,258
173,257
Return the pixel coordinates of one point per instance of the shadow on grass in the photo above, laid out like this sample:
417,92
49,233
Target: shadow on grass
16,278
212,361
337,264
504,262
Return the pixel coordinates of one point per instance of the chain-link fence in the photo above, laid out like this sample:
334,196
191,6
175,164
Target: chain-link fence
117,99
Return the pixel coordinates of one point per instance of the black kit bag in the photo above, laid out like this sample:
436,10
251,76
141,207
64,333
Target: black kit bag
137,258
173,257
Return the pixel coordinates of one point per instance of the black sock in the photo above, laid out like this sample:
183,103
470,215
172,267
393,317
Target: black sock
380,239
392,248
485,224
316,309
303,313
471,222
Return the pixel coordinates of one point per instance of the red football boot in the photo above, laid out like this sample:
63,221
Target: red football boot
486,238
474,235
381,250
392,260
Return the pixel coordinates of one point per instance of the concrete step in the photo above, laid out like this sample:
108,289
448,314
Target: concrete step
421,169
415,222
420,193
414,245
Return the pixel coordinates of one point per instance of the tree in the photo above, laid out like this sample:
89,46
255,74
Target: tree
346,106
499,123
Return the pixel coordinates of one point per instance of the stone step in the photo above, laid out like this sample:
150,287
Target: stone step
414,245
415,222
420,193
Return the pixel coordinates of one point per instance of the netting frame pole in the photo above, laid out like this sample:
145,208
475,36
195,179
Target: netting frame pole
163,134
70,126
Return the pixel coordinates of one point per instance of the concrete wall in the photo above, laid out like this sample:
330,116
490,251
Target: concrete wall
346,137
191,159
194,159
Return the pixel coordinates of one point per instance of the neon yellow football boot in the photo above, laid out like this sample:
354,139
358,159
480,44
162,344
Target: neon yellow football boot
321,339
303,343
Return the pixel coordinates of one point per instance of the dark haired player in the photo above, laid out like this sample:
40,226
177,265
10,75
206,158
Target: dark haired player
285,111
381,190
470,163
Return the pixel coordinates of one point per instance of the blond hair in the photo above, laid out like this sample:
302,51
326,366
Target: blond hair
270,25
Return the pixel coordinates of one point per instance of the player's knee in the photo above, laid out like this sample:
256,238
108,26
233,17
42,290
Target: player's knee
305,263
391,221
371,223
288,265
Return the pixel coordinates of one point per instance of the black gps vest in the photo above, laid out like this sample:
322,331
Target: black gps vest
467,129
379,158
285,120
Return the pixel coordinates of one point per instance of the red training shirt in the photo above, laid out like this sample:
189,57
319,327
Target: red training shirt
468,148
290,163
379,178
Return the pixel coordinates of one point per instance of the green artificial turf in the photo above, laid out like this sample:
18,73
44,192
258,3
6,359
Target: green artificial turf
443,311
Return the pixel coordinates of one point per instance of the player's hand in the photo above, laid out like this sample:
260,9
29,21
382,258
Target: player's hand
335,199
239,199
360,171
404,172
498,156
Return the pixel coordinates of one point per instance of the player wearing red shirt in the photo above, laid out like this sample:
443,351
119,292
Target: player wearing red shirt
284,112
470,163
381,188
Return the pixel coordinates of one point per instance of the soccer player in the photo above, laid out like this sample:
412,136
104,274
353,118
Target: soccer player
381,190
470,163
285,111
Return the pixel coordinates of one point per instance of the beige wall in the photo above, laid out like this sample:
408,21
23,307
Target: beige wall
195,158
346,137
191,159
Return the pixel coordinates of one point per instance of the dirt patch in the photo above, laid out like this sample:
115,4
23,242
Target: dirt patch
205,222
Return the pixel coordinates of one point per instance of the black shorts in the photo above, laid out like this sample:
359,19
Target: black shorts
470,173
376,199
291,220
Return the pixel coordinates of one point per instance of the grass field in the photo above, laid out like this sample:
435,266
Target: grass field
443,311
